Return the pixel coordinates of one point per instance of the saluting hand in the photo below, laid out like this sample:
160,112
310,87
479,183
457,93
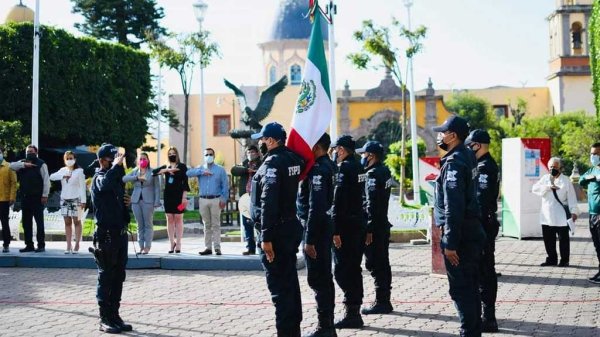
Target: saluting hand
267,247
452,256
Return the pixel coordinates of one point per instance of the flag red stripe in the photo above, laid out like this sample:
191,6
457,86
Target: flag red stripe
296,143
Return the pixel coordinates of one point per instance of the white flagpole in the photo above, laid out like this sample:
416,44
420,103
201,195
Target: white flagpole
159,102
413,123
36,77
333,127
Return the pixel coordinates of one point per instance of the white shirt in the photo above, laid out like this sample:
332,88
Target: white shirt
552,213
74,187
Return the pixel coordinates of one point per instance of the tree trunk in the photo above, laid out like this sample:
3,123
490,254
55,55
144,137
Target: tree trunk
186,122
130,157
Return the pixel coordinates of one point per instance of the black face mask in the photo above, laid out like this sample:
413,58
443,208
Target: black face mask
442,145
31,156
263,148
554,172
172,158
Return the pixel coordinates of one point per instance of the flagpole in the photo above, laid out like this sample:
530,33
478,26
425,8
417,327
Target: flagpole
413,123
333,127
35,99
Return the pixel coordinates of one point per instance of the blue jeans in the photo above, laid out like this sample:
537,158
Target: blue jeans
249,234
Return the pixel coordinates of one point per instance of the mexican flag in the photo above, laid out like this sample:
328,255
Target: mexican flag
313,108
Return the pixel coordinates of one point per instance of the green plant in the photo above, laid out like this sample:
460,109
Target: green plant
594,29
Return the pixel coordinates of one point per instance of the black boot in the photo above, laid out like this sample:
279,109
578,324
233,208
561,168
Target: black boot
295,332
119,321
106,323
324,328
489,323
352,318
382,305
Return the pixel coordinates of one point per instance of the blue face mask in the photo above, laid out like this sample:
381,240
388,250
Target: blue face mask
595,159
364,161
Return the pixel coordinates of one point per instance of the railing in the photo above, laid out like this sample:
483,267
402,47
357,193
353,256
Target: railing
52,221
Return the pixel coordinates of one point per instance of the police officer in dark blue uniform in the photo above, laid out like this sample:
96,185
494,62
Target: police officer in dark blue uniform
110,238
273,206
349,230
377,257
315,198
488,187
457,213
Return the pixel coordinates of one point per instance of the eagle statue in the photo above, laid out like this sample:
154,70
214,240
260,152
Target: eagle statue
251,118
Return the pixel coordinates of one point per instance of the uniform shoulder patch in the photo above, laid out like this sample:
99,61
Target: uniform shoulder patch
271,172
451,175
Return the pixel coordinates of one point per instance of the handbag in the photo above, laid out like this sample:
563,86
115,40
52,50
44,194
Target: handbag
570,221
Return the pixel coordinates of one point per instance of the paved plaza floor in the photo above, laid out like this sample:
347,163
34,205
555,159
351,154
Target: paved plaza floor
532,300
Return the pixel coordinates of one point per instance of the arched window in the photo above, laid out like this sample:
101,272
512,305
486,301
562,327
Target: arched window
295,74
576,30
272,75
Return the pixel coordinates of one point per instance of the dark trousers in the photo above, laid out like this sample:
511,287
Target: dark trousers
282,277
377,261
464,288
4,208
549,233
32,207
249,234
347,270
595,231
488,285
112,274
319,275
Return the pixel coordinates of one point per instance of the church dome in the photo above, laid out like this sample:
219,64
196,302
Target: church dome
291,22
20,13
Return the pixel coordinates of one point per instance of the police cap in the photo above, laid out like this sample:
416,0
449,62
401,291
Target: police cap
371,146
454,124
345,141
478,136
272,130
107,151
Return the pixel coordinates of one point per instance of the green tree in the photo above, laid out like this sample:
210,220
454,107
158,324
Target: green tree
477,111
394,160
386,133
595,52
90,92
123,21
376,43
11,136
191,49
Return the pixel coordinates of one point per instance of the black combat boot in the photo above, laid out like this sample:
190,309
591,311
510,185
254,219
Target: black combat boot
489,323
324,328
352,318
382,305
106,323
119,321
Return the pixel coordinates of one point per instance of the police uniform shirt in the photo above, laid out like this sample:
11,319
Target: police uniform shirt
274,190
488,184
455,196
378,187
348,195
107,195
315,198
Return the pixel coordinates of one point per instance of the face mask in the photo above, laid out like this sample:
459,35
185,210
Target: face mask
31,156
143,163
263,148
334,156
440,142
70,162
172,158
252,156
209,159
472,148
554,172
595,159
364,161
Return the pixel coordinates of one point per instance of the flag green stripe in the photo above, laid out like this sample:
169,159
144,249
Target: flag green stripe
316,52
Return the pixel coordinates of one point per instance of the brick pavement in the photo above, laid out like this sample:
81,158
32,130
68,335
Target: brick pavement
533,301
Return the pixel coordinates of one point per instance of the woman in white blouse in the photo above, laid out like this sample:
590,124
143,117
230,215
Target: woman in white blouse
553,217
72,198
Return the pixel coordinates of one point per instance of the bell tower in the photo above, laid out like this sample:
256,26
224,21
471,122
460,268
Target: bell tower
570,81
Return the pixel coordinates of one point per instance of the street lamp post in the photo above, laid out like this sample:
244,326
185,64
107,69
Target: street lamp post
159,103
332,9
200,8
413,121
36,77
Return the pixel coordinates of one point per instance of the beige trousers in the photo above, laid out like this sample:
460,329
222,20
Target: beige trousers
211,217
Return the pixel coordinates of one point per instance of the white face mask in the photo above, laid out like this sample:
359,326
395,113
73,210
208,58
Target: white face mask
209,159
70,162
595,159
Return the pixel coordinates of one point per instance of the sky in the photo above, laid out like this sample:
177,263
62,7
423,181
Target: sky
469,44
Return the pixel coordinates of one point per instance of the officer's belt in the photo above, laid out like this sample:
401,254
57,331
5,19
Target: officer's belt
113,231
209,196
